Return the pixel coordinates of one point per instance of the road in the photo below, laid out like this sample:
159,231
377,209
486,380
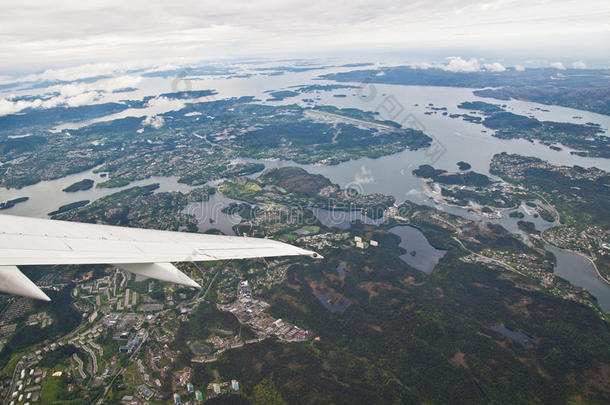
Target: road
489,259
550,207
121,371
200,298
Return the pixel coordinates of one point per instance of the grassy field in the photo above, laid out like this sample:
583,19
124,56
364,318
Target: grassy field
8,369
52,387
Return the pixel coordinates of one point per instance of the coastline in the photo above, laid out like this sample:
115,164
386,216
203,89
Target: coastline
597,272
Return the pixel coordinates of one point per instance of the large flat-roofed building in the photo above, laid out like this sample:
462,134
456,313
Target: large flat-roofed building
131,345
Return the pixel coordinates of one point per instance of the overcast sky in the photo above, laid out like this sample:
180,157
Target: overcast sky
38,34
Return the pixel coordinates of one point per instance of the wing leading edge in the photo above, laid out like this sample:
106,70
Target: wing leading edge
34,241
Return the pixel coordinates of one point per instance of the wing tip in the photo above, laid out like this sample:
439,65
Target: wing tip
43,297
13,281
192,283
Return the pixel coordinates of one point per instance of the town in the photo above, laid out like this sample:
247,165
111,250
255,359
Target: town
127,326
250,311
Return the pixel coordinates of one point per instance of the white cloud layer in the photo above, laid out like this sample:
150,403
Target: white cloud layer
8,106
116,30
364,176
494,67
421,65
69,95
457,64
156,121
579,65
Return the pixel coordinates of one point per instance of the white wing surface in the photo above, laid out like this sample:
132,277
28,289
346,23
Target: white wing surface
34,241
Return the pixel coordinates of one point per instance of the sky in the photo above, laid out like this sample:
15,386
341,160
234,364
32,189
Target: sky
37,34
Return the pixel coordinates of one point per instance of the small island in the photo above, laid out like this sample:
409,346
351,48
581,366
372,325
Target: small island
82,185
474,191
528,227
587,139
11,203
114,182
445,177
281,95
463,166
68,207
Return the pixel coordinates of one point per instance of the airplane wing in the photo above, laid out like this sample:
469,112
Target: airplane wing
34,241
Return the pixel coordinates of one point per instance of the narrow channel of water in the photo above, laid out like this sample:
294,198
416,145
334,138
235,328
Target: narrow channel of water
47,196
579,271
